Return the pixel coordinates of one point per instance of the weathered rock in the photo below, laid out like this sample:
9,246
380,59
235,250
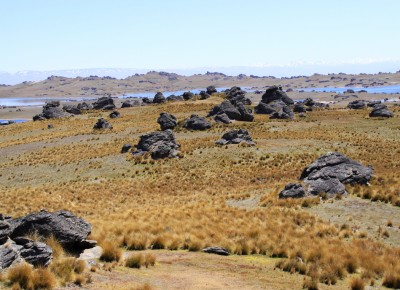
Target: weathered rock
159,98
331,171
245,115
309,102
373,103
222,118
104,103
69,230
235,137
356,105
226,107
188,96
277,109
299,108
292,190
102,124
196,123
173,98
7,256
51,104
146,100
216,250
126,147
204,95
167,121
158,144
84,106
115,114
380,110
35,253
55,113
236,95
275,93
72,109
5,231
211,90
130,103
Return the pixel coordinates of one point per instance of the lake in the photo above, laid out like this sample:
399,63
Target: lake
372,90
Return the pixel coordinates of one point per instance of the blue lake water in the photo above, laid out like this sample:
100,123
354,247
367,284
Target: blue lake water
3,121
372,90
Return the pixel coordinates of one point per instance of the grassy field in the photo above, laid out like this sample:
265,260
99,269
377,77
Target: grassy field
215,195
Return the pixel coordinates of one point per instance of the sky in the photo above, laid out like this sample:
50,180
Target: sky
178,34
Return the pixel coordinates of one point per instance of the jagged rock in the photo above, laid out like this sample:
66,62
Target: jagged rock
7,256
5,231
38,117
51,104
309,102
126,147
277,110
331,171
216,250
356,105
102,124
72,109
159,98
115,114
236,95
84,106
204,95
197,123
275,93
159,144
187,96
35,253
235,137
245,115
173,98
373,103
130,103
222,118
292,190
167,121
299,108
211,90
146,100
69,230
104,103
282,115
226,107
380,110
55,113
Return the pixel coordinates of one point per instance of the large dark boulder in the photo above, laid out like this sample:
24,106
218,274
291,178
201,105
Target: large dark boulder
115,114
204,95
35,253
226,107
277,109
188,96
331,171
299,108
373,103
167,121
51,104
84,106
216,250
356,105
236,136
72,109
275,93
159,98
126,147
380,110
292,190
5,231
309,102
104,103
55,113
158,144
102,124
130,103
222,118
196,123
69,230
173,98
236,95
146,100
245,115
211,90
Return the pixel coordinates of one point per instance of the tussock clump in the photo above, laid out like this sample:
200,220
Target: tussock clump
110,252
357,284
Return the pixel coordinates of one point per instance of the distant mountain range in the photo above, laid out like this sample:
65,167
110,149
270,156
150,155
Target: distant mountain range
262,70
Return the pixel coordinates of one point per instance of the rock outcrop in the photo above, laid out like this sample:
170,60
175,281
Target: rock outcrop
331,171
222,118
187,96
159,98
234,112
126,147
276,93
236,95
51,110
102,124
104,103
211,90
356,105
72,109
196,123
216,250
158,144
292,190
236,136
114,114
275,103
380,110
167,121
131,103
173,98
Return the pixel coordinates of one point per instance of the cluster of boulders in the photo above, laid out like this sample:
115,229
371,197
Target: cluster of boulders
102,124
329,174
70,231
196,122
378,109
276,103
158,145
51,110
236,136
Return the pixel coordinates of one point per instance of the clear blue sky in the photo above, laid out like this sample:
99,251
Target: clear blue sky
50,34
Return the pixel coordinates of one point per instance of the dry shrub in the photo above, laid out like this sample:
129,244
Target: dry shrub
357,284
110,252
134,261
310,284
64,269
43,279
79,279
149,260
392,280
143,287
56,247
21,275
